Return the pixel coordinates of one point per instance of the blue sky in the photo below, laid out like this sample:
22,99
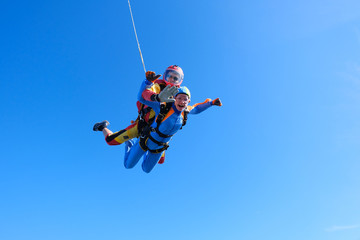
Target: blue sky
279,160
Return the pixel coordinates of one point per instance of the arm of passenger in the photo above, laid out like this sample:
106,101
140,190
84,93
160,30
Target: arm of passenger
200,107
144,85
150,93
154,105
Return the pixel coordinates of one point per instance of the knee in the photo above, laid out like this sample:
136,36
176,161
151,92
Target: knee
146,169
111,141
128,165
116,138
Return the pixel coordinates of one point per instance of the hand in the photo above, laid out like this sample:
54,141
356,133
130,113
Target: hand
216,102
167,94
151,76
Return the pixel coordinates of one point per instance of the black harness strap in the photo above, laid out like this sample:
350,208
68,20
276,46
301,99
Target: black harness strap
142,123
185,117
144,147
164,109
145,133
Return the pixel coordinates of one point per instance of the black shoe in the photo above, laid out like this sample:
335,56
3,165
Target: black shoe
101,125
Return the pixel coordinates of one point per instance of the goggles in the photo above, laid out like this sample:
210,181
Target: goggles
171,75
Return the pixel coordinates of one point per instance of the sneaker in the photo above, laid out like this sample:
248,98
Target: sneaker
101,125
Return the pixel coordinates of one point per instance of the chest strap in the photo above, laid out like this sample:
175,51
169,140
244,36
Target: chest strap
164,109
160,133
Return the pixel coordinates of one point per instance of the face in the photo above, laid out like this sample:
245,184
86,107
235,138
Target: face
173,77
181,101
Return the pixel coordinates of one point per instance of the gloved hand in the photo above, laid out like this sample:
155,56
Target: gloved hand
167,94
151,76
216,102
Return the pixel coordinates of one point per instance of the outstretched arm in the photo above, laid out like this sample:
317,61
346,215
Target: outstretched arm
200,107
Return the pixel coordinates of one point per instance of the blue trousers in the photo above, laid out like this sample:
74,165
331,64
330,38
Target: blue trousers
133,153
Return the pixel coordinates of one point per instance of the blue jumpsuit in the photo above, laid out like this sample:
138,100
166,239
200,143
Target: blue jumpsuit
169,126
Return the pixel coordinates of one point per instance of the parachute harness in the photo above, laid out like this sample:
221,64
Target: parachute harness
147,129
137,40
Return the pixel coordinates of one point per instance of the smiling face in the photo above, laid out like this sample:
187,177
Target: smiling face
181,102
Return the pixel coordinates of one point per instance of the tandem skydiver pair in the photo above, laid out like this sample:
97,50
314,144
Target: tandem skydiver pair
162,111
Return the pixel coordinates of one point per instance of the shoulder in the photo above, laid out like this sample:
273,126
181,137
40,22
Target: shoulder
160,83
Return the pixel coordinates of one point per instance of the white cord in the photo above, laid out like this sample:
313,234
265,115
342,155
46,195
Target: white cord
137,40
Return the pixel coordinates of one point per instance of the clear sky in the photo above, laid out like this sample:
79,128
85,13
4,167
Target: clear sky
279,160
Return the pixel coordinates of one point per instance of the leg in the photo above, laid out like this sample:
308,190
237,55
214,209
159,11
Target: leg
150,160
121,136
128,145
106,132
133,155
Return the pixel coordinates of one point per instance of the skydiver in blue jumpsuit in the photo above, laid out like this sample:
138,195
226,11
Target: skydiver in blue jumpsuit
152,145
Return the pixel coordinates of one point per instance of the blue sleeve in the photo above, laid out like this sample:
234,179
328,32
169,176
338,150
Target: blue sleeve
154,105
200,107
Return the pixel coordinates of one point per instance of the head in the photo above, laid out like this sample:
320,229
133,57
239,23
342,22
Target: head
174,75
182,98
